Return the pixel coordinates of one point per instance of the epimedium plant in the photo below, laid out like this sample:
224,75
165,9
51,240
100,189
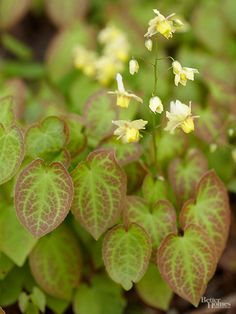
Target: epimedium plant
163,233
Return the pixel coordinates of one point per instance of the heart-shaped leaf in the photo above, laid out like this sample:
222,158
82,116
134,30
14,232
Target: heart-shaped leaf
72,10
100,189
43,196
11,152
126,254
158,221
15,241
184,174
210,210
125,154
101,296
56,264
100,110
45,138
154,189
187,263
153,289
7,117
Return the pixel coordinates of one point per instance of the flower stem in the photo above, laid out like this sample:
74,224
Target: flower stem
154,117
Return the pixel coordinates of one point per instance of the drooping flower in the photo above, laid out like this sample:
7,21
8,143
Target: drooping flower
123,97
85,60
148,44
155,104
180,116
133,66
166,26
182,74
128,131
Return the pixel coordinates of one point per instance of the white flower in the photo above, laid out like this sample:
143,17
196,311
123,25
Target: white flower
180,116
155,104
106,69
128,131
148,44
182,74
109,34
118,48
123,97
161,24
133,66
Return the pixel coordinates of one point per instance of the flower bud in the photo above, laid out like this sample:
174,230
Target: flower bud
133,66
155,105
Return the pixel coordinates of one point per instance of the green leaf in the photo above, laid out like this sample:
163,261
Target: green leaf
100,110
11,12
43,196
153,290
7,117
154,189
23,302
77,139
56,264
38,298
187,263
60,52
11,287
15,241
72,10
184,173
100,189
47,137
210,210
125,154
169,146
56,305
16,47
213,33
126,254
102,296
5,265
11,152
158,221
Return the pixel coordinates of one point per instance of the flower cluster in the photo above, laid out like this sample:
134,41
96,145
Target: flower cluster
104,67
180,115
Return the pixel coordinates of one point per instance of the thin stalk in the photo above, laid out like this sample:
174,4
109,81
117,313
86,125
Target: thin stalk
154,118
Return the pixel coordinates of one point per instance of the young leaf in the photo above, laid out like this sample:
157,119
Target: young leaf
158,221
153,290
43,196
154,190
5,265
210,210
184,174
101,296
15,241
7,117
100,189
187,263
126,254
125,154
46,137
11,152
57,306
55,263
99,112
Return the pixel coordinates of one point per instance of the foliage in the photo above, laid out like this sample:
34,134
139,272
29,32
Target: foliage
99,196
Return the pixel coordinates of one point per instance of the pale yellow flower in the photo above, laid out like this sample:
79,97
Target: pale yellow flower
118,48
109,34
123,97
182,74
148,44
155,105
128,131
133,66
85,60
106,69
161,24
180,116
